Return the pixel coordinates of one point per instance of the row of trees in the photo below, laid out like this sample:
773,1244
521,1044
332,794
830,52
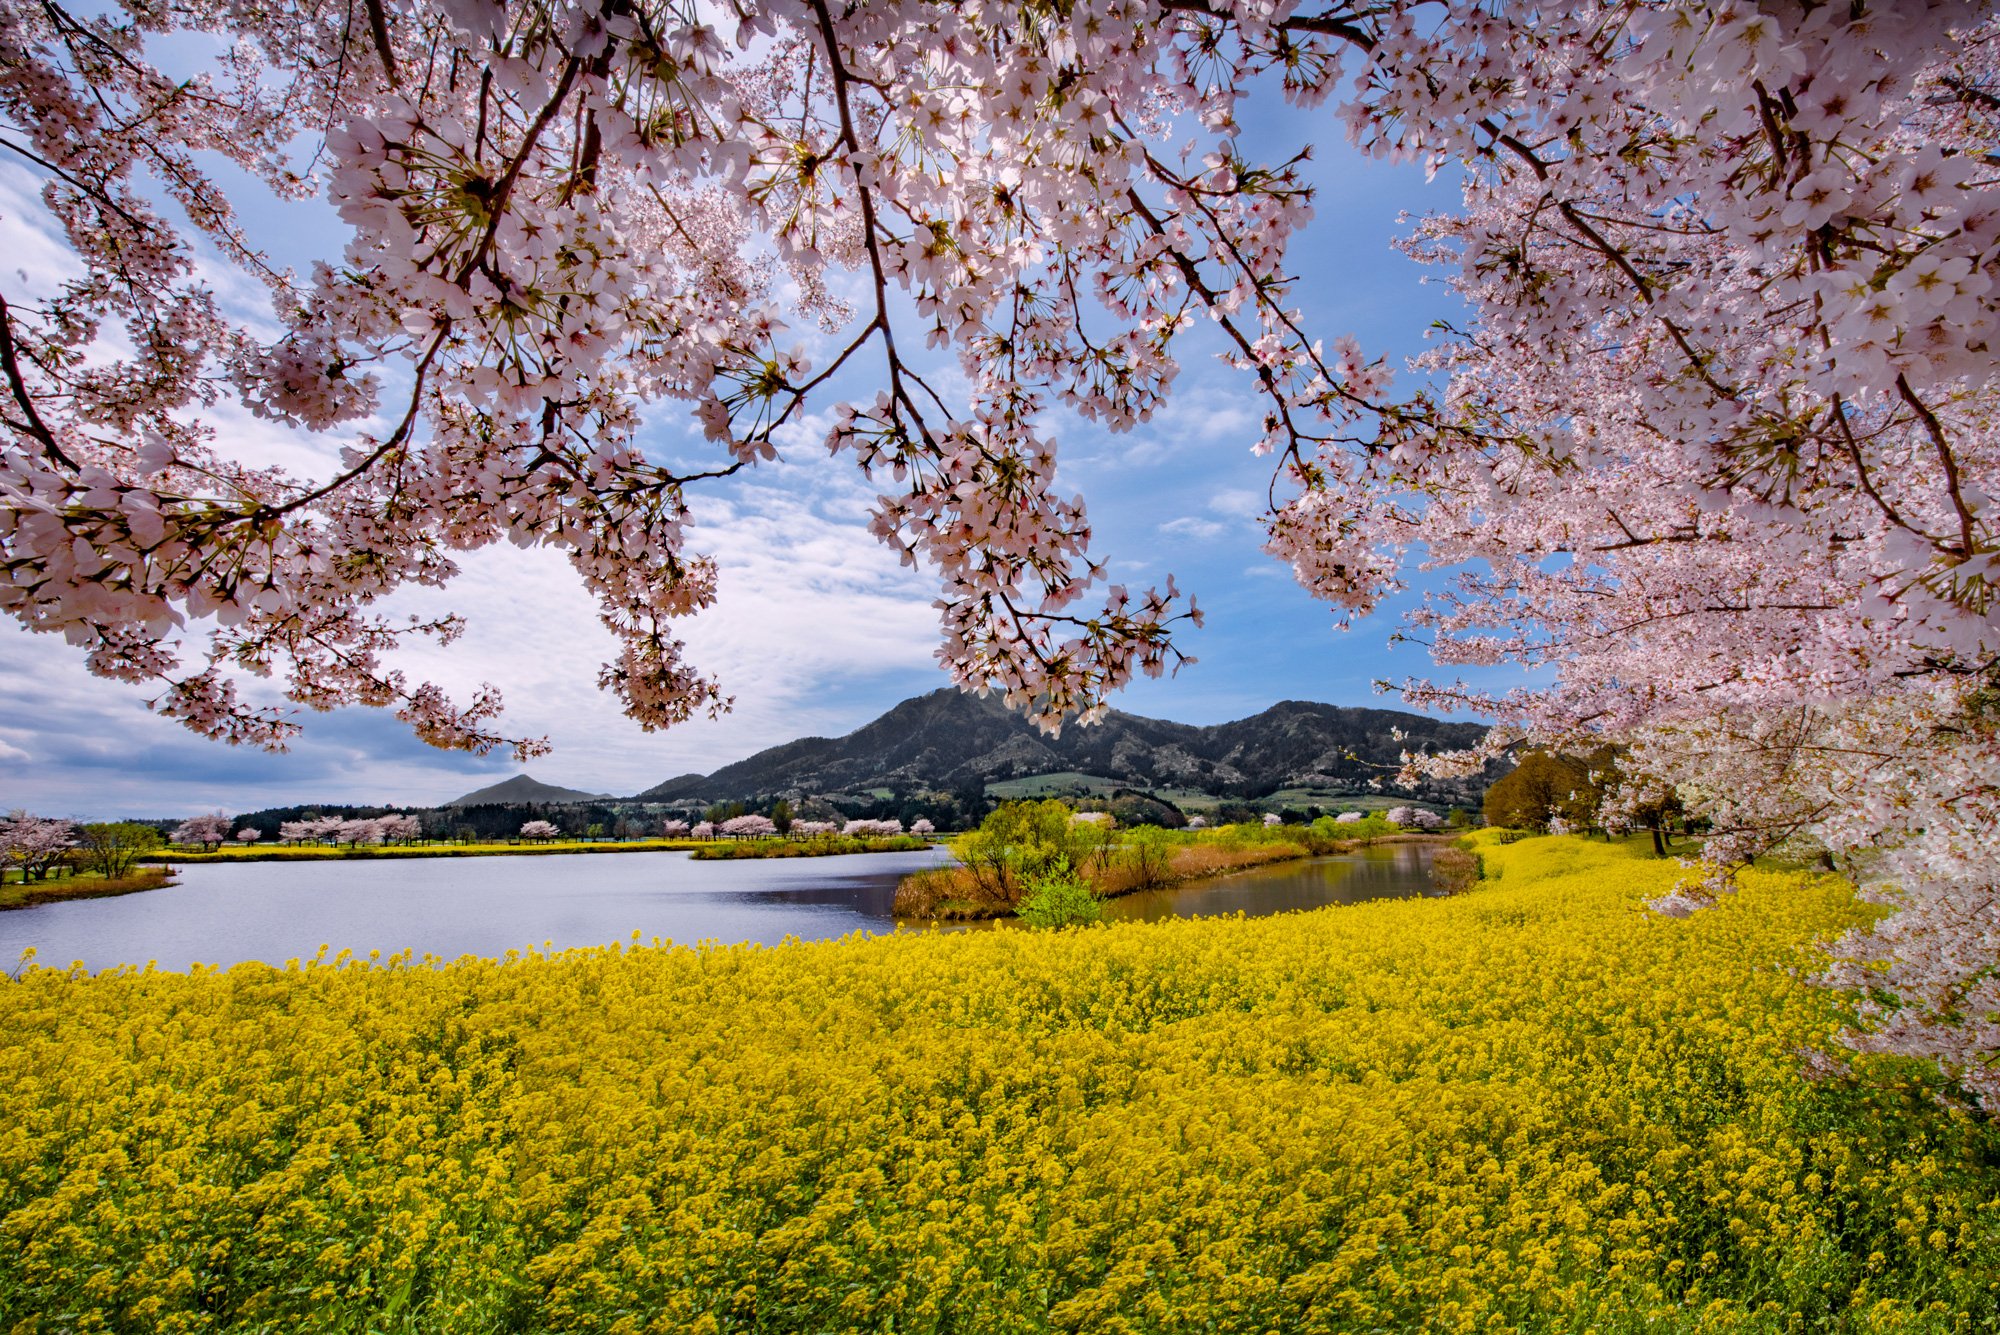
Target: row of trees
392,828
752,826
1549,791
36,848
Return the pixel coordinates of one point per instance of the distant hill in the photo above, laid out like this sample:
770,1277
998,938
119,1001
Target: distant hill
520,789
950,740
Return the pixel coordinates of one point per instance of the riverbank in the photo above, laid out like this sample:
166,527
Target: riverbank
1532,1107
326,853
825,846
82,886
964,894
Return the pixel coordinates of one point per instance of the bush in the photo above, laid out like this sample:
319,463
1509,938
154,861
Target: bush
1058,897
1020,840
1455,870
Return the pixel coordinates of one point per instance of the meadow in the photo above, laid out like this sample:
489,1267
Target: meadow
1533,1106
823,846
81,885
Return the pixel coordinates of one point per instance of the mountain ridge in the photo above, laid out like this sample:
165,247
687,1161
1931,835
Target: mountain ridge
948,740
521,789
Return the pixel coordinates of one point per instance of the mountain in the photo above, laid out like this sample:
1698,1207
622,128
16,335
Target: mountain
521,789
949,740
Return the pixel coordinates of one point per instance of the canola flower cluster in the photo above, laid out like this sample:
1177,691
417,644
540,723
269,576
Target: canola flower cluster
1532,1107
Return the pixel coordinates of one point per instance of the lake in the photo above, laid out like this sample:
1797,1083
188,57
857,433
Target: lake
223,914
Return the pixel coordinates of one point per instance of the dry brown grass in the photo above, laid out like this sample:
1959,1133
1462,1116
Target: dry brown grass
956,893
1454,870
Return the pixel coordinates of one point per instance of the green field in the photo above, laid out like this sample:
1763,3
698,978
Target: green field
1071,783
1064,783
1337,799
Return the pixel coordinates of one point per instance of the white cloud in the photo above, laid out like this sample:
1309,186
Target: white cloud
1188,526
817,629
1238,503
1199,426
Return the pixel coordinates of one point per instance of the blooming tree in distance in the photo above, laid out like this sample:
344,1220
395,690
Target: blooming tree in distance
33,845
208,831
922,826
398,827
246,837
749,827
1714,441
673,829
540,829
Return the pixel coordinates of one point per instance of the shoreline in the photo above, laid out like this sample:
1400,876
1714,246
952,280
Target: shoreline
324,853
956,909
751,850
39,893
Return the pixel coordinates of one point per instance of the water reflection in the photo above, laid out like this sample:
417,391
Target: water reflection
224,914
1392,871
274,911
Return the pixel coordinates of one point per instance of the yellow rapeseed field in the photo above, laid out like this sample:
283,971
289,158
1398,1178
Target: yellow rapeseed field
1531,1107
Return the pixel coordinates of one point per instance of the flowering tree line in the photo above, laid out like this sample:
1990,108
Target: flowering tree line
1714,442
754,826
36,847
390,828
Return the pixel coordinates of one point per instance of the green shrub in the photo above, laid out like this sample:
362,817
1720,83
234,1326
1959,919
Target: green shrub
1058,897
1021,840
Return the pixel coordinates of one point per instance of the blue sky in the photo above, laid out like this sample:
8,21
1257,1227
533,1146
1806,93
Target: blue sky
817,629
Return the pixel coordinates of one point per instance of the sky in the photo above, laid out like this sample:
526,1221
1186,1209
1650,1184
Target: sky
817,629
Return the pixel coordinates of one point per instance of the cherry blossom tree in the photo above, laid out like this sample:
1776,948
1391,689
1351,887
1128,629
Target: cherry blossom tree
872,829
397,827
923,826
813,829
540,830
703,830
673,829
1714,443
749,827
247,837
34,846
208,831
360,830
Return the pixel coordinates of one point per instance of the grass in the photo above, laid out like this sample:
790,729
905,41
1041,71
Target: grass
1049,785
1331,798
826,846
322,852
1532,1107
83,885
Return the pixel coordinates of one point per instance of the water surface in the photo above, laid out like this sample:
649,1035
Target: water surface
226,913
1390,871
